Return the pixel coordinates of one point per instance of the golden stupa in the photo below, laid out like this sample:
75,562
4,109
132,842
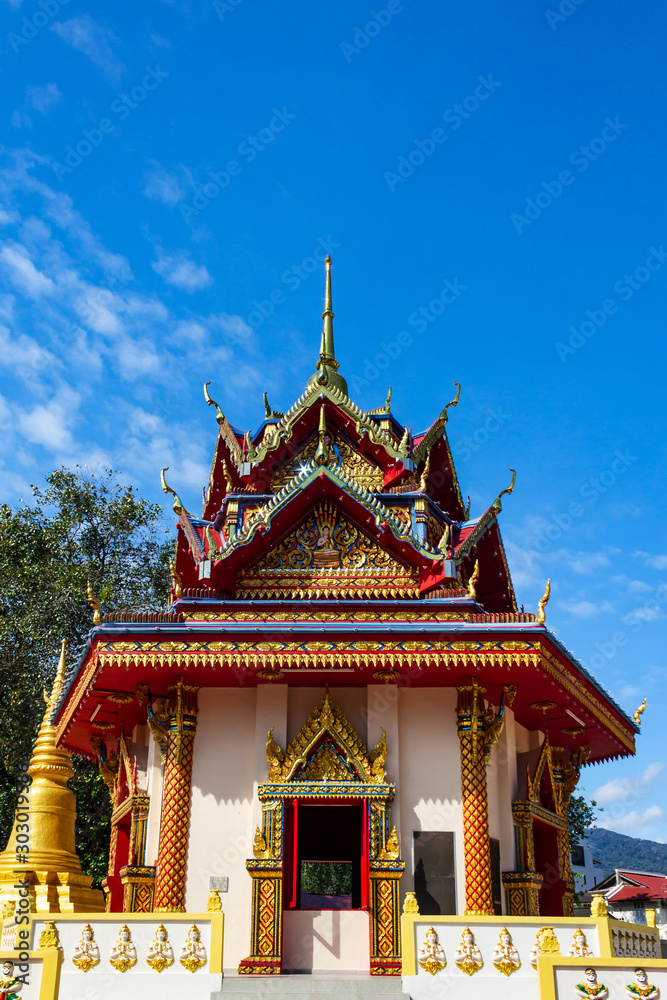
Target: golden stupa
45,869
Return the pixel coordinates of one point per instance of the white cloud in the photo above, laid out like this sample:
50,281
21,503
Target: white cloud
23,272
20,119
165,186
628,789
632,821
651,559
42,99
586,563
48,424
177,269
92,39
586,609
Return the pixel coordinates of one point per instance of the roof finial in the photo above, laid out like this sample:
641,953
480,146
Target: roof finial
327,366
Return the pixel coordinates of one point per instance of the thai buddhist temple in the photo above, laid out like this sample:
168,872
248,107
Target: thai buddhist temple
342,751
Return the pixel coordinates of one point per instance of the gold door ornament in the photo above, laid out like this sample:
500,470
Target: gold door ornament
193,952
160,954
505,956
431,953
123,955
86,953
468,956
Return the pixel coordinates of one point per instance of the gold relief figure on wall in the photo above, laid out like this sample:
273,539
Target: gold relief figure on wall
546,943
160,954
193,952
326,555
505,956
123,954
579,947
10,986
468,957
590,987
431,953
86,954
640,987
342,545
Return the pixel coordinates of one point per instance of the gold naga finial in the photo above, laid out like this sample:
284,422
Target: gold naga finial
327,366
425,472
404,446
442,419
229,485
177,583
387,402
95,605
443,544
637,716
497,505
211,402
270,413
472,582
467,515
178,506
251,453
542,603
321,456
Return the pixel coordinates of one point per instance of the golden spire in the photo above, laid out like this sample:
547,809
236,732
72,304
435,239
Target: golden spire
51,809
327,366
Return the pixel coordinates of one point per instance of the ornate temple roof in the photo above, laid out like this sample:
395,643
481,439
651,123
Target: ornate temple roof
335,545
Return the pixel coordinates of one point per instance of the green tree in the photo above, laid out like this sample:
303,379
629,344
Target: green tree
79,527
581,816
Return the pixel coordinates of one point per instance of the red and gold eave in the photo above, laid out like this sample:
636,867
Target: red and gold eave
441,643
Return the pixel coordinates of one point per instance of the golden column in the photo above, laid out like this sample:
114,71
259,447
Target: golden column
41,851
175,732
478,727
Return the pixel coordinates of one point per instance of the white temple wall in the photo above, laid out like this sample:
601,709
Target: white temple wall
501,785
221,823
430,775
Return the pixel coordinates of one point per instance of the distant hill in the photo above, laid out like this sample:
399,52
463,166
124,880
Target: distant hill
615,850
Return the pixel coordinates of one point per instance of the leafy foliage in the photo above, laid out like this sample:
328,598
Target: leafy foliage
326,878
80,527
581,816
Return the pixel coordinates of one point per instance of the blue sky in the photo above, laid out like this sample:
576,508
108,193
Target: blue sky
489,183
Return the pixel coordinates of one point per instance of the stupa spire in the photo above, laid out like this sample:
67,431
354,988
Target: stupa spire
327,366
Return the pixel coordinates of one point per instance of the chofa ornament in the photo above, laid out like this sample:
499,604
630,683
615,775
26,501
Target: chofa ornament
431,954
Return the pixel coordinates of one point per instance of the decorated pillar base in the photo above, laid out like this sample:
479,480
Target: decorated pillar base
265,957
138,883
385,917
522,893
568,900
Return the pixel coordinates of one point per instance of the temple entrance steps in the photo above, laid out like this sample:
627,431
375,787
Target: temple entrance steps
324,986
